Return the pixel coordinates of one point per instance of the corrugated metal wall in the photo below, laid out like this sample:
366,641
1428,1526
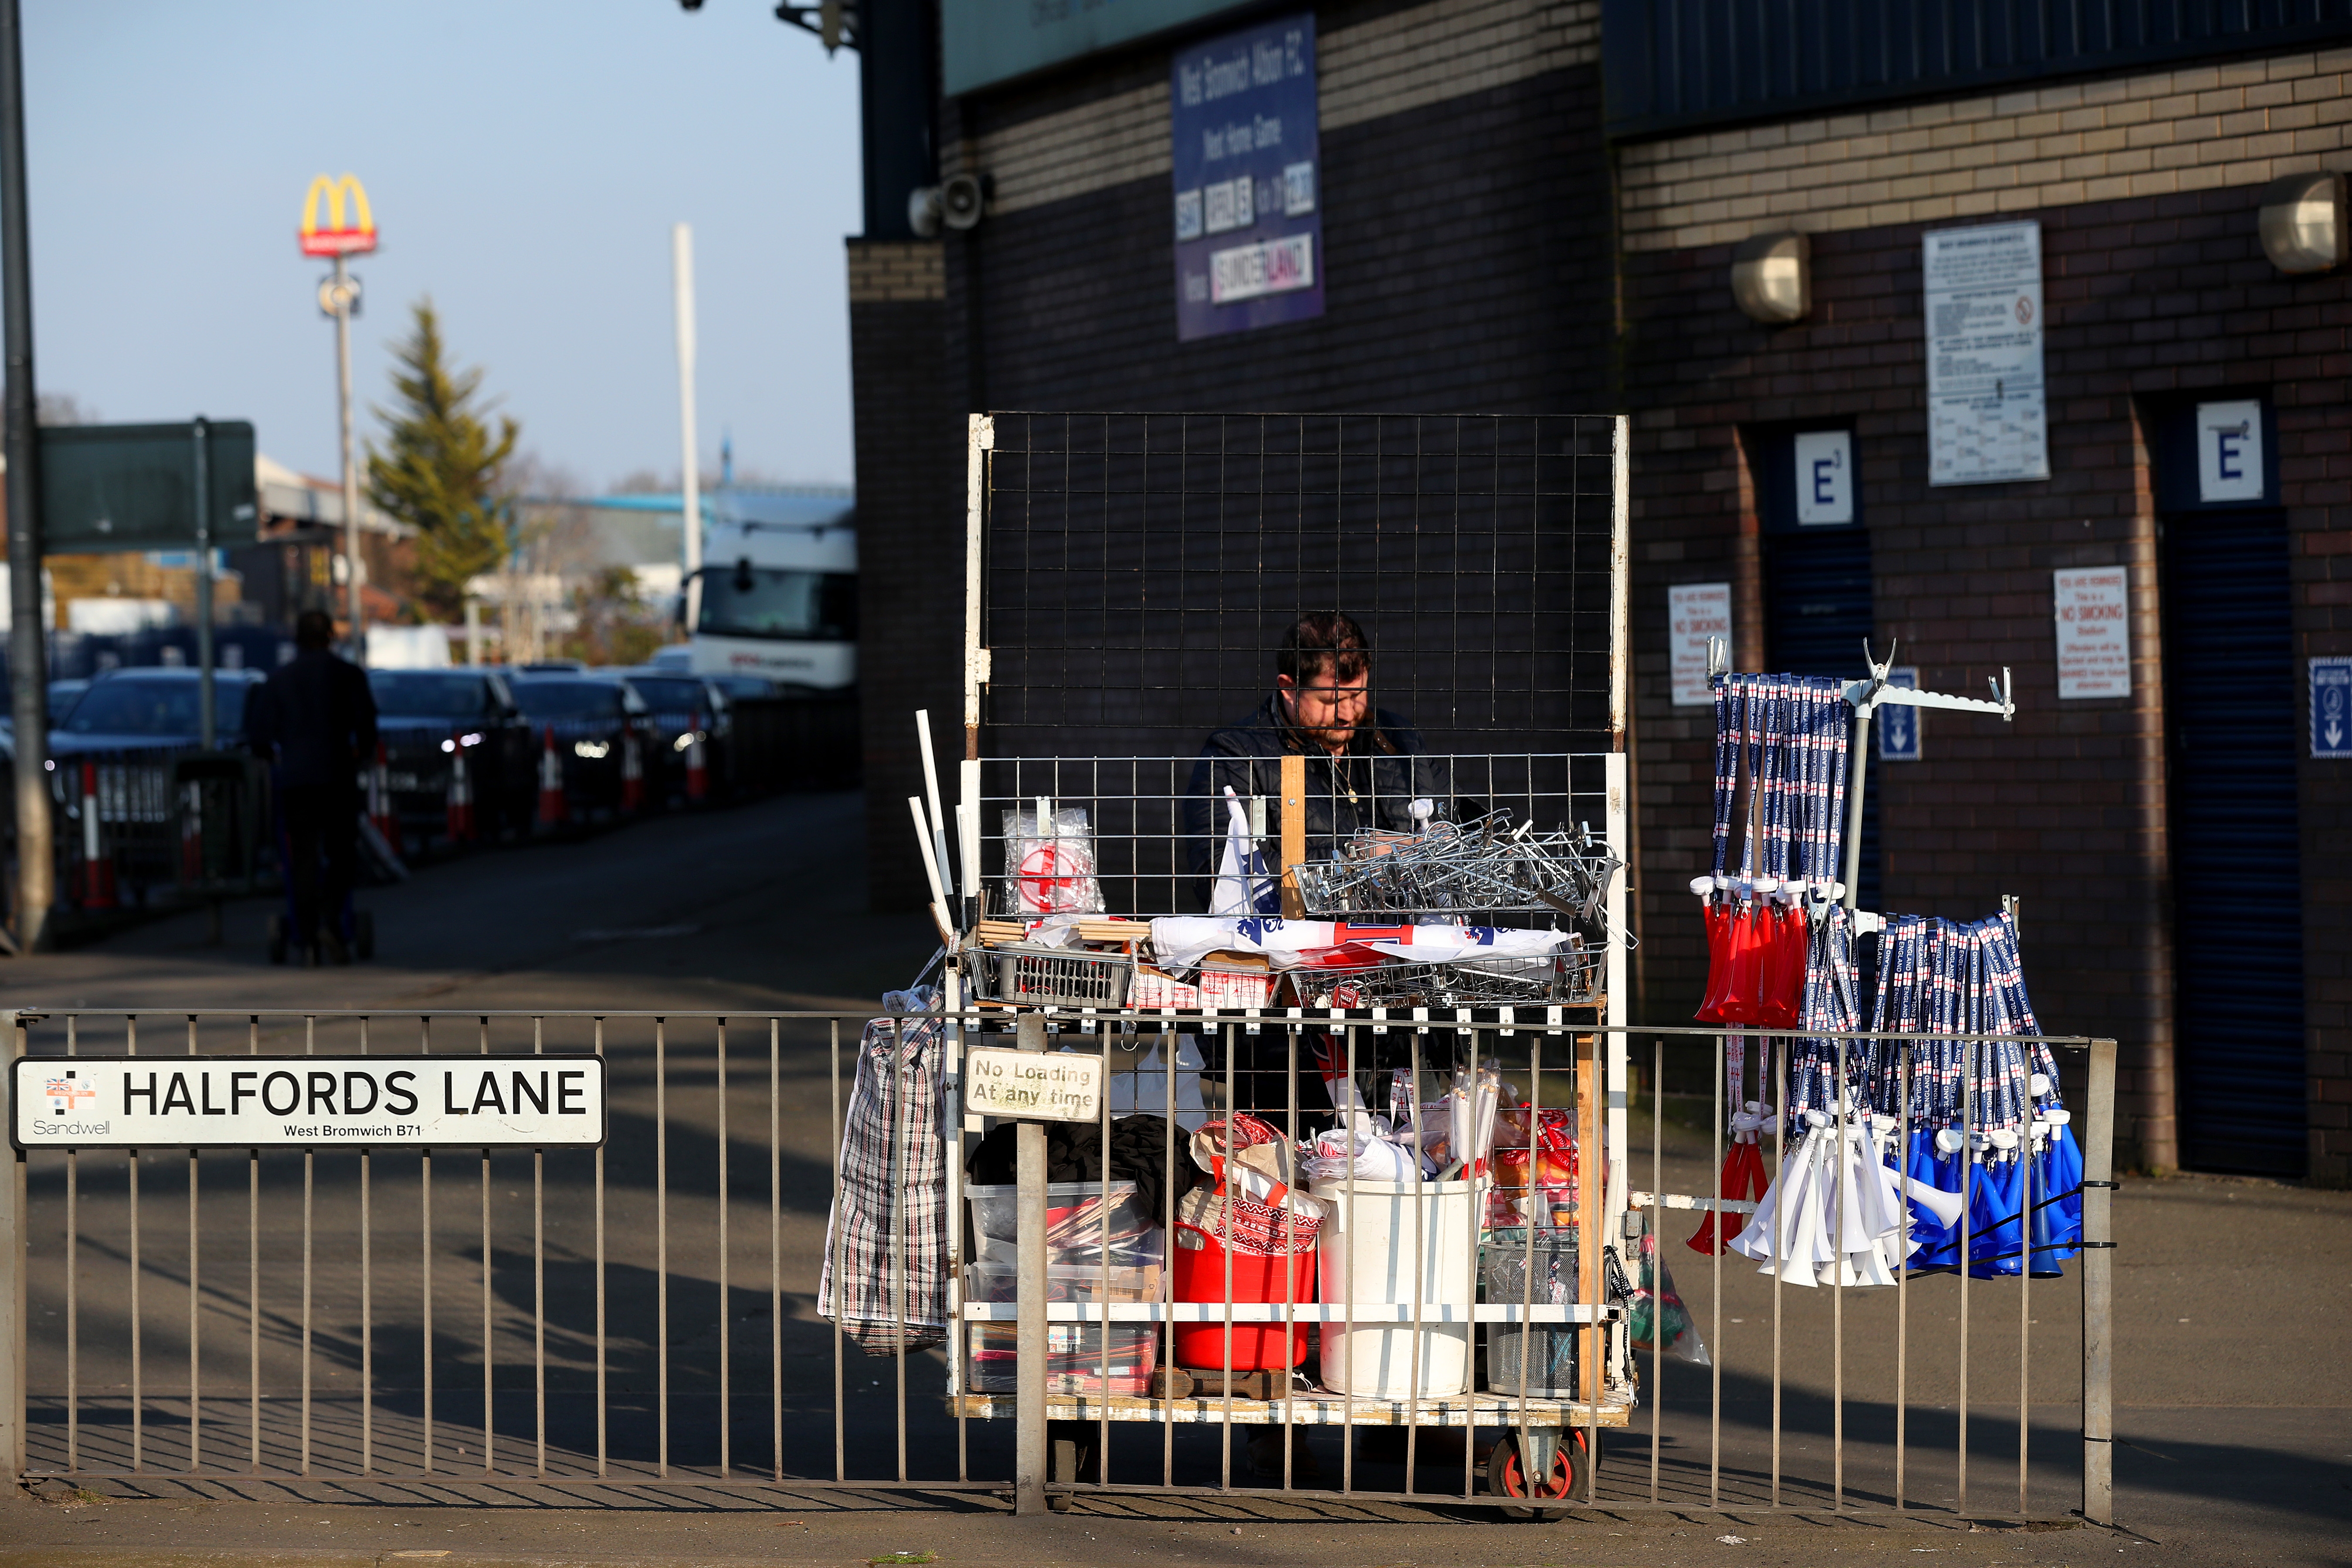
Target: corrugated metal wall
1674,64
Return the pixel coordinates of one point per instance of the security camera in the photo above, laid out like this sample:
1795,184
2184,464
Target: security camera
923,208
963,200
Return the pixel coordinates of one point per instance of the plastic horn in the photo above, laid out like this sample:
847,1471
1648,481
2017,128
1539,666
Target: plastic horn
1944,1206
945,881
930,869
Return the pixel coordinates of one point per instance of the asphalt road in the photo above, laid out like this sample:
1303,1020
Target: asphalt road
2232,1383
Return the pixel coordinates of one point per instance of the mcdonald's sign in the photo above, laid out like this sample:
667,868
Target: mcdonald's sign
350,230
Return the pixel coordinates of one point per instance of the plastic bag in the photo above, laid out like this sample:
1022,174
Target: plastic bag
1683,1341
1052,863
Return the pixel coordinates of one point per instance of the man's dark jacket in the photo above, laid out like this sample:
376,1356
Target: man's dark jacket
317,716
1371,785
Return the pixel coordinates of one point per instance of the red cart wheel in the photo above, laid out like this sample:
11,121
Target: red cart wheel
1506,1477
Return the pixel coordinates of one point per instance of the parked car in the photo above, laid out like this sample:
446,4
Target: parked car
588,716
682,706
158,706
426,717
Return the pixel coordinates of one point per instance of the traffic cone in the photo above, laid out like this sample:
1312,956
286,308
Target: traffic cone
98,867
632,771
697,773
380,799
550,783
461,793
191,833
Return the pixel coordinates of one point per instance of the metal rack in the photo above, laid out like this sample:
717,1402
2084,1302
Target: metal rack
1516,490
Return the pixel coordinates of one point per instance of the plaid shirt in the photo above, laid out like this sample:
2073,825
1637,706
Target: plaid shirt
893,1171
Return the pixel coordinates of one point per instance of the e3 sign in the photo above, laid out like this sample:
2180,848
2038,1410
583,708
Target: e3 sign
1824,478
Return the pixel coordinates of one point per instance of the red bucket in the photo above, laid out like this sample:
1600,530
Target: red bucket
1201,1277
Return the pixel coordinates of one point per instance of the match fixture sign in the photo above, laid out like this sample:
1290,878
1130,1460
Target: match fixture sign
1035,1085
520,1102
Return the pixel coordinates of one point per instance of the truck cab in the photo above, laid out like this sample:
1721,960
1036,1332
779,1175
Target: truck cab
779,590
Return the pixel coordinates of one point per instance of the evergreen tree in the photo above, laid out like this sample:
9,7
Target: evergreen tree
442,467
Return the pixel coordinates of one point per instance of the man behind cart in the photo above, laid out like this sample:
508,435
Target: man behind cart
1363,773
315,718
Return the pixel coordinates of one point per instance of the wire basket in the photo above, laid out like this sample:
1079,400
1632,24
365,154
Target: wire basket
1013,976
1569,978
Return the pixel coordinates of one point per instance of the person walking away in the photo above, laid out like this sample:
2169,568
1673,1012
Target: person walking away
314,719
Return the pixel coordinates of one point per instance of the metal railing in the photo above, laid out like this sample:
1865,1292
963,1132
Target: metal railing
649,1311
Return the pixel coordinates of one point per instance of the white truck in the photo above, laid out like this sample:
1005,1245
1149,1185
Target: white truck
778,589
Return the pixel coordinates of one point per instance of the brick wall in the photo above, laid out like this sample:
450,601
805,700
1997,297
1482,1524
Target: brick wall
2144,297
1468,269
2158,134
910,451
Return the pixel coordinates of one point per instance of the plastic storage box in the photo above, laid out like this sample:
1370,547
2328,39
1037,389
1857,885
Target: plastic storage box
1073,1352
1078,1223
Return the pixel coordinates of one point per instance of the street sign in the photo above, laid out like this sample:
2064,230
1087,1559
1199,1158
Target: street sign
133,487
520,1101
349,228
1898,723
2331,707
1037,1085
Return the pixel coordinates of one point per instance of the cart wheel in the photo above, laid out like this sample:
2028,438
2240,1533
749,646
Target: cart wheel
1569,1470
278,939
363,934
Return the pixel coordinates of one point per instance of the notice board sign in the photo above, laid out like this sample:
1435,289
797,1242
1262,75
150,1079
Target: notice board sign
521,1102
1986,420
1036,1086
1696,612
133,487
2094,611
1249,217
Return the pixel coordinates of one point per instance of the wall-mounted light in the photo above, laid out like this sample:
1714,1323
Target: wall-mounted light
1772,277
2302,222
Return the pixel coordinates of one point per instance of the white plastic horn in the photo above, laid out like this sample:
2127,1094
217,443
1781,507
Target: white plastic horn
1944,1206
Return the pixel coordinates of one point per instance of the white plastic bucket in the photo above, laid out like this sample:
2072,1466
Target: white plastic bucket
1370,1248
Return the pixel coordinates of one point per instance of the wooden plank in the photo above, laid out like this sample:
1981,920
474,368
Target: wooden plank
1294,833
1591,1232
1318,1410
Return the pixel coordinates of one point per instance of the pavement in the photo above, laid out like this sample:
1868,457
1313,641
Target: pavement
2234,1389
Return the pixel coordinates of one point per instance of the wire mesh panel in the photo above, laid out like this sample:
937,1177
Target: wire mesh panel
1139,570
1155,828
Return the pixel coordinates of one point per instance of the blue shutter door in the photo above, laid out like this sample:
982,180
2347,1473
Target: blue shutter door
1817,612
2236,859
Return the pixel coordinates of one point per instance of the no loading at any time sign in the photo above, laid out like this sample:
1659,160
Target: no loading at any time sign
522,1100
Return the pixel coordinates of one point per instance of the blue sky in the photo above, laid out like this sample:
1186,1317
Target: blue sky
525,159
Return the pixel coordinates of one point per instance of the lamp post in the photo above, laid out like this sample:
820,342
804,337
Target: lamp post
349,230
28,689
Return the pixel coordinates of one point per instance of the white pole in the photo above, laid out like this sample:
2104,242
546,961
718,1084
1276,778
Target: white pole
682,275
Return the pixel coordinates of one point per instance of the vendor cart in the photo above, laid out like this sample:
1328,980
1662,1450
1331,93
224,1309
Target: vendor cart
1520,841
